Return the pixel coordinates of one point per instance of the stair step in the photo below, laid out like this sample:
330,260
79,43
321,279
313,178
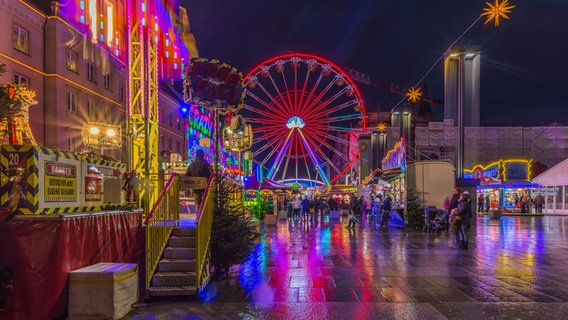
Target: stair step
172,279
184,232
183,265
173,291
179,253
185,242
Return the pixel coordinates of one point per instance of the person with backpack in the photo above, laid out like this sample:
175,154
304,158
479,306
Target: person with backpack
199,168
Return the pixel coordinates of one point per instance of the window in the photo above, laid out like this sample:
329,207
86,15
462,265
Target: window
71,143
19,39
108,83
91,109
108,114
178,125
565,197
170,144
178,147
91,72
121,93
163,140
72,60
559,193
18,79
71,102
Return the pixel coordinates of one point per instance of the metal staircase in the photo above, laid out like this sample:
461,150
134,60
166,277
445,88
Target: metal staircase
176,273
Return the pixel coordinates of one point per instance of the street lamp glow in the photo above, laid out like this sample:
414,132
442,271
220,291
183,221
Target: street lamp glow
111,132
94,130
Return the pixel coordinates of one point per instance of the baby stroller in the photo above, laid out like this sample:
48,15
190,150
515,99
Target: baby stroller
435,219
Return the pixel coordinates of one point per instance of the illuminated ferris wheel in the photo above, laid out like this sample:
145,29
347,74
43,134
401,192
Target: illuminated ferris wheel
301,108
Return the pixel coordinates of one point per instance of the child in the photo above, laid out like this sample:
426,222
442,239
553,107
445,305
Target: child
351,219
453,228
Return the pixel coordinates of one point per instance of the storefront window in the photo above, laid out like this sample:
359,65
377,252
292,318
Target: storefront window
559,197
565,197
549,197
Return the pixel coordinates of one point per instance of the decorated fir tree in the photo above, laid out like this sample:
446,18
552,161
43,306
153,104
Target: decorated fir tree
233,235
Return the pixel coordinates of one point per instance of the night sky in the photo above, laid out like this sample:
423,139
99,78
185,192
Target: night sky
524,61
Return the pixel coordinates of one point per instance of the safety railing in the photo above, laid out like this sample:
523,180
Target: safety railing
159,222
204,223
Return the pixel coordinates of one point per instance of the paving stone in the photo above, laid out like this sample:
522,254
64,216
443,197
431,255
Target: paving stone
515,268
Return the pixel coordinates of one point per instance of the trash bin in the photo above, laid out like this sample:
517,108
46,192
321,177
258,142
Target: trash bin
103,291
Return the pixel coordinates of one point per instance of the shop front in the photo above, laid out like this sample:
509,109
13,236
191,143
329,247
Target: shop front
506,185
514,197
394,173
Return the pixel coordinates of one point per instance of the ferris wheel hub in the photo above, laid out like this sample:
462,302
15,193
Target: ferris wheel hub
295,122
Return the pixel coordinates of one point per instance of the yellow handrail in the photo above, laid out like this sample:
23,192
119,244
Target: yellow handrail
162,218
204,222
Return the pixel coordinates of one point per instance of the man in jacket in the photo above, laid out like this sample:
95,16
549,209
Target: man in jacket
199,168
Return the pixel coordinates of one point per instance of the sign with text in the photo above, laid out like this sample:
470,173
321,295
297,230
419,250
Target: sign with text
60,182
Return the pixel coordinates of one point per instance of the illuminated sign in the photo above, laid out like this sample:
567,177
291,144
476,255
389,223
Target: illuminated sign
502,170
396,158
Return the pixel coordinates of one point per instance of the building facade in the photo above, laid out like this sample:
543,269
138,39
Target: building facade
75,58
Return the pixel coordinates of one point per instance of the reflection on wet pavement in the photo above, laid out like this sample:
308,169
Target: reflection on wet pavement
515,268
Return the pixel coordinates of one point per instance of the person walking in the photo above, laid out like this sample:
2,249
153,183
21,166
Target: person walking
304,208
351,219
454,200
296,207
386,208
480,203
199,168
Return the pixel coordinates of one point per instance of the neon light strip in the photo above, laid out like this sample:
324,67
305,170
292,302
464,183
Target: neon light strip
346,168
284,147
314,111
323,142
277,111
320,151
304,152
314,158
304,88
288,107
324,61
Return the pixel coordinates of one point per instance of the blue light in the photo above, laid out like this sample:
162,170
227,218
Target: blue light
295,122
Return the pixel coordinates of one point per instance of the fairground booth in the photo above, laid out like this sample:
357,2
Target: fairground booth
505,185
394,174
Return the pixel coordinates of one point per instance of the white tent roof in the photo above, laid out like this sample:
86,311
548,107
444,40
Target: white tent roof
555,176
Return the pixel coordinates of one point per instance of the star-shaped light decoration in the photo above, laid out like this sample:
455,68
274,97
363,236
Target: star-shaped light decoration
381,127
414,94
496,11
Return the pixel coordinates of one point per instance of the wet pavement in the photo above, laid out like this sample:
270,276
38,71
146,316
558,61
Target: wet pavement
515,268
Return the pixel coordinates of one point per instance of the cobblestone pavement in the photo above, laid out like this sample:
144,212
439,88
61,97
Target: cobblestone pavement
515,268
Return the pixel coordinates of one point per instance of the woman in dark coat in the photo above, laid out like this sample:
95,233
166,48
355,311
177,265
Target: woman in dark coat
463,214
